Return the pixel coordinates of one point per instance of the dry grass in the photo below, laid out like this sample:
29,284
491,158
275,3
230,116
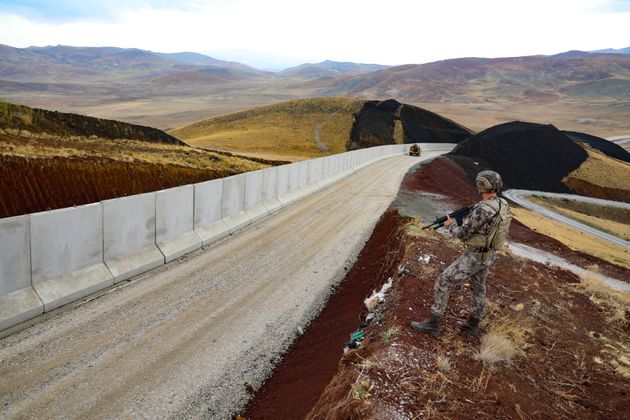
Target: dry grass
602,170
573,238
615,303
496,348
505,337
281,130
399,135
621,230
614,355
389,334
443,364
361,389
42,146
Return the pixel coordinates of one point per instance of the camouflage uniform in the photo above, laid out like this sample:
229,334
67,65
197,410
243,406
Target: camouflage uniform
472,265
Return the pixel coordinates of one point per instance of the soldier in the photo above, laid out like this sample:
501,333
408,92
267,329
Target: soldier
483,231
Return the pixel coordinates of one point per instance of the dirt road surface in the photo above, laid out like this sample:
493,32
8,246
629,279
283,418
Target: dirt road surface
194,337
520,197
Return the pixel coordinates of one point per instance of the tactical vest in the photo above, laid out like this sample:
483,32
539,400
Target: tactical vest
497,236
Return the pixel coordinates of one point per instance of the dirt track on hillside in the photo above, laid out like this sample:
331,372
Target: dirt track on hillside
194,337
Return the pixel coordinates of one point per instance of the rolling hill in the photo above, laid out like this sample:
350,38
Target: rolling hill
51,160
329,68
314,127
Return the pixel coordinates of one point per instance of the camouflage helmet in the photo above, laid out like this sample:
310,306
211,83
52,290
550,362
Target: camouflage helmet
488,180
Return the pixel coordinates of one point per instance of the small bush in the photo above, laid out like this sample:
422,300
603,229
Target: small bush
443,364
496,348
389,334
361,389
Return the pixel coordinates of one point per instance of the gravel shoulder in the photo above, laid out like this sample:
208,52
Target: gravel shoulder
188,339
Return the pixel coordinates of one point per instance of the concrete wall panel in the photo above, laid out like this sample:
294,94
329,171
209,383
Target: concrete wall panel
208,202
302,174
15,255
254,196
315,170
270,189
129,236
209,225
18,300
174,212
289,183
284,175
233,195
253,189
67,254
294,177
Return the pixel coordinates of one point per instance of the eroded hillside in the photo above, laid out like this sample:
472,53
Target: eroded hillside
67,161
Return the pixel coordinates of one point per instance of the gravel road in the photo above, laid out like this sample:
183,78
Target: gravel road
189,338
520,197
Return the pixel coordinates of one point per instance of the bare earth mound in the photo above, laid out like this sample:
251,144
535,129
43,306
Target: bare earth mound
378,122
607,147
528,156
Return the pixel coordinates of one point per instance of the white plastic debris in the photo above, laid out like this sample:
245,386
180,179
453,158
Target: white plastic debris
425,259
377,297
300,330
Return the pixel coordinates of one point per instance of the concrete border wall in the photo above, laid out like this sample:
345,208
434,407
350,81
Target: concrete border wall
67,254
270,189
129,236
253,202
52,258
18,300
234,214
174,218
208,219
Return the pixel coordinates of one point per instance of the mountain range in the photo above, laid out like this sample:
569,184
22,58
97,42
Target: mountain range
580,91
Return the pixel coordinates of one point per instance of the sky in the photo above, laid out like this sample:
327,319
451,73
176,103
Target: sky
275,34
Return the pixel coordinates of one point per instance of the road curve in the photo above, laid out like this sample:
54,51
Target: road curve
520,197
619,139
189,338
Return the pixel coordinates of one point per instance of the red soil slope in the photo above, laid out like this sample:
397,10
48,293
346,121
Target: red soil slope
312,361
569,350
30,185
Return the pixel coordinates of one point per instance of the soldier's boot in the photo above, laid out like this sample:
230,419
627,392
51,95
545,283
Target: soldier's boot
431,325
471,326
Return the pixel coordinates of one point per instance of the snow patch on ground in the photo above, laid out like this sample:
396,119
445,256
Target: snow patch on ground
543,257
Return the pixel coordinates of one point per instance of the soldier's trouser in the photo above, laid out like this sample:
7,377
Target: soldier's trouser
466,267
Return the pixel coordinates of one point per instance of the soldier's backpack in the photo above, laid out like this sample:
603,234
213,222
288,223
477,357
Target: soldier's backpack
497,237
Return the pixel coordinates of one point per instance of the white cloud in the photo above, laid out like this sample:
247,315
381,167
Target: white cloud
405,31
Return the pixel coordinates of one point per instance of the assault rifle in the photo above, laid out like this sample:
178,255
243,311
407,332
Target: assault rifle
458,215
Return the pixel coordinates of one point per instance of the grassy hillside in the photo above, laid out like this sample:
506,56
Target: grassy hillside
20,118
601,176
291,130
50,160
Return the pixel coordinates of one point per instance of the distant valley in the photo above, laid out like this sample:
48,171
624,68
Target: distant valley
578,91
